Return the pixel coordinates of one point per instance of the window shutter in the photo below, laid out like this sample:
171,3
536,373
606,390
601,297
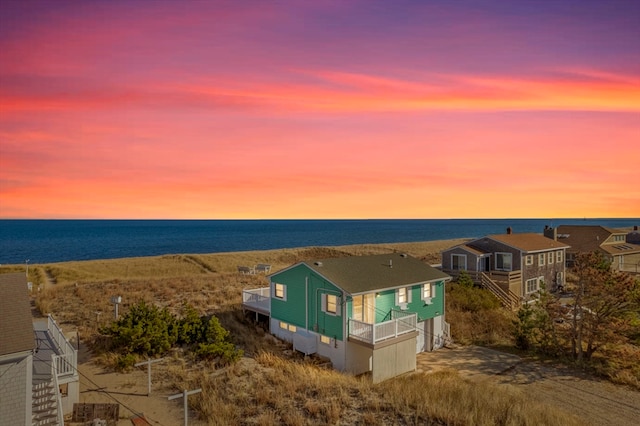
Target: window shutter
409,291
338,305
397,297
323,302
273,289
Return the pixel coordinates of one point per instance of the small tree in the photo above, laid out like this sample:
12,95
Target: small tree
191,328
605,301
217,345
464,279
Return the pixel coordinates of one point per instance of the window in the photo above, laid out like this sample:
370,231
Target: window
550,258
426,291
332,304
559,256
280,291
559,279
458,262
290,327
528,260
503,261
532,285
402,295
324,339
541,259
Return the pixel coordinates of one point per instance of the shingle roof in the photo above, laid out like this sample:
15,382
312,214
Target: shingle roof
585,238
528,242
359,274
468,248
16,325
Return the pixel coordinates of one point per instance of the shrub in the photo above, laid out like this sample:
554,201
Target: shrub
217,344
471,299
144,330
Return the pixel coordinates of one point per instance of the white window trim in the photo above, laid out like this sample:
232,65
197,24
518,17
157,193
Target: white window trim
537,280
432,291
541,259
325,340
559,256
284,291
403,305
550,258
324,309
511,263
454,255
528,260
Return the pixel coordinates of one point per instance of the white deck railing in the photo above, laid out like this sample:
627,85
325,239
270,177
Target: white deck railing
66,356
55,374
373,333
257,299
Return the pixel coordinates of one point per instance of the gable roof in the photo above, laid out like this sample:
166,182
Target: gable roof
527,242
468,248
584,238
360,274
16,325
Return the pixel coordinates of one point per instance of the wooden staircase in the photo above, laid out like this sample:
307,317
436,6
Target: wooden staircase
508,298
45,404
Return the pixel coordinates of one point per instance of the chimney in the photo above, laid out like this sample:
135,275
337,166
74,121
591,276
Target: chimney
635,227
509,231
550,232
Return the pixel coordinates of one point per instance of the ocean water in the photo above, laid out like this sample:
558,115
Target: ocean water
48,241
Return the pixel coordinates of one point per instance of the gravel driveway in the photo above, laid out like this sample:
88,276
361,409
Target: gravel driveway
598,402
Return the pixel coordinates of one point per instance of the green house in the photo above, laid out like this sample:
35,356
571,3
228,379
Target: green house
367,314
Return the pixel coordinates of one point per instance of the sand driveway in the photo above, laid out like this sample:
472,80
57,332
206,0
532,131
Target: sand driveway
596,401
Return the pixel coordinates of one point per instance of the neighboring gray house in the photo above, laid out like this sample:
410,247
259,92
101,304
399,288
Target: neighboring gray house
39,380
513,266
17,344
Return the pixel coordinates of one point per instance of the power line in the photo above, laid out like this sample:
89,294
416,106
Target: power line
102,390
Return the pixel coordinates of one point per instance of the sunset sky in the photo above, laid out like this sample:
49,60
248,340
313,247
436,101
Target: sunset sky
319,109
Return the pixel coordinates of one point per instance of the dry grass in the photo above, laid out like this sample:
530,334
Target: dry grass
272,385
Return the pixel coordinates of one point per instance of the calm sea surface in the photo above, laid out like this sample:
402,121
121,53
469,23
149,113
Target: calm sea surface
46,241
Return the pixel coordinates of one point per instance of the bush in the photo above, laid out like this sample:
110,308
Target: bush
144,330
148,330
217,344
125,362
471,299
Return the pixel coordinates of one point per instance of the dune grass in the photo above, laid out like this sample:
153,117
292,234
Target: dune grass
272,385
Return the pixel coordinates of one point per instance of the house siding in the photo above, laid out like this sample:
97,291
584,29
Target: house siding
472,259
492,246
15,391
548,271
304,284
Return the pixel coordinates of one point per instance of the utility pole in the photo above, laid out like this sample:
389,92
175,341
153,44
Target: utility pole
27,263
184,395
148,362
